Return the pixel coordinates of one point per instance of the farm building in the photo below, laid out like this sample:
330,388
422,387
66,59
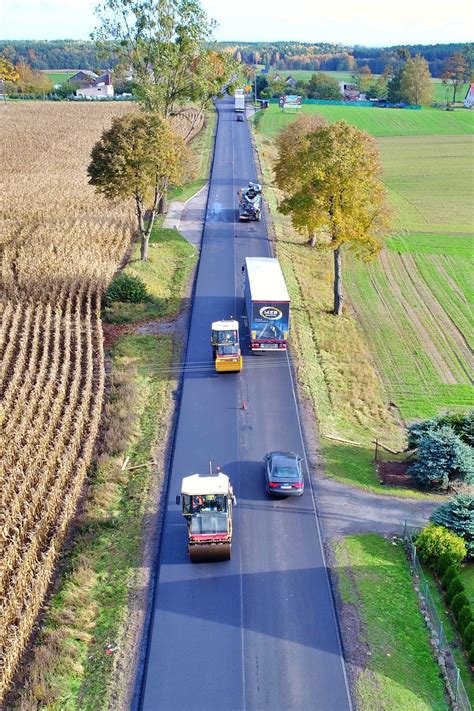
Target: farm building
97,87
469,99
349,91
290,81
83,78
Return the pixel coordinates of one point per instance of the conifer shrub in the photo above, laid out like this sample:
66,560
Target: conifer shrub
457,603
454,589
464,618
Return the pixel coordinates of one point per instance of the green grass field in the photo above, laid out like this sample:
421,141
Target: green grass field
306,74
442,92
400,671
60,76
376,121
404,349
415,303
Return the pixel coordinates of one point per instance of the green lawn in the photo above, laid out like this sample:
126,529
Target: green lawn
376,121
170,261
400,672
467,577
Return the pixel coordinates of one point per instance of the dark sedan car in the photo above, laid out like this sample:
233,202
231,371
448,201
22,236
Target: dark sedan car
283,474
240,117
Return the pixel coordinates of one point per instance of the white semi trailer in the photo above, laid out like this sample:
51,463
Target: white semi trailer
239,100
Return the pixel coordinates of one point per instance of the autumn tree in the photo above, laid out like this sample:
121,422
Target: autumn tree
416,86
163,43
364,78
32,81
323,86
138,157
333,192
456,71
8,71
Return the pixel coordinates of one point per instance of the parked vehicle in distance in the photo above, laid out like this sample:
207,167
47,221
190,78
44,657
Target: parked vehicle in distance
240,117
267,304
283,474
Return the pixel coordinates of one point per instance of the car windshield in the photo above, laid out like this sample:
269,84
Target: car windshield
285,473
209,523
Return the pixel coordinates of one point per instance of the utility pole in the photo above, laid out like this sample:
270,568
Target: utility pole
255,81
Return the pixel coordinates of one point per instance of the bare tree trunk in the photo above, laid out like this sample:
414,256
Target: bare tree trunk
145,232
338,291
140,212
312,240
163,205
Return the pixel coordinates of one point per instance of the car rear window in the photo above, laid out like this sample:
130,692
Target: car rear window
284,473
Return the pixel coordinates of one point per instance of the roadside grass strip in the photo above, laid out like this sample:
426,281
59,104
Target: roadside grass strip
201,159
400,671
467,577
333,365
75,655
376,121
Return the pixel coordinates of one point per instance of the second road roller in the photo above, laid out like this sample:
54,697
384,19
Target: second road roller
207,502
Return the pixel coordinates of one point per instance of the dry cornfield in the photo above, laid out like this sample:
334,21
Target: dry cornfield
60,244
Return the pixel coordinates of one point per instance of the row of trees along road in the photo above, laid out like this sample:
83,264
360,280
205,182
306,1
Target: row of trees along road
331,180
164,46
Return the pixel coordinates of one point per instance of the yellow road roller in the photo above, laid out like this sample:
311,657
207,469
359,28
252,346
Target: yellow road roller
226,346
207,502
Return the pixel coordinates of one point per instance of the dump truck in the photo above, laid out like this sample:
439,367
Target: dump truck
267,304
226,346
250,202
207,502
239,100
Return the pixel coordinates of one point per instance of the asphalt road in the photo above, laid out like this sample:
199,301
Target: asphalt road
259,631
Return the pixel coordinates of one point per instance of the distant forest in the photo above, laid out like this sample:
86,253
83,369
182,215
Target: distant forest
72,54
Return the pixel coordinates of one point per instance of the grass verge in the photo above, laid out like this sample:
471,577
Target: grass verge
399,670
76,658
334,366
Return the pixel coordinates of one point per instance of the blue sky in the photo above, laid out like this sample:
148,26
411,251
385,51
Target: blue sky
367,22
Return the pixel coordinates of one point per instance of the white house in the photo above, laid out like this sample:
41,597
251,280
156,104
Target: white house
469,100
97,88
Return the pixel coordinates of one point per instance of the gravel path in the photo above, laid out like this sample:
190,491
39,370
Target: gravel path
346,509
